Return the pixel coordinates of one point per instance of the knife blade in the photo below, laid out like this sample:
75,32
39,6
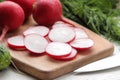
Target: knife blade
106,63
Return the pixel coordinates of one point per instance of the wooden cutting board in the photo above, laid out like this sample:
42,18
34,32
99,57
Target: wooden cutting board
46,68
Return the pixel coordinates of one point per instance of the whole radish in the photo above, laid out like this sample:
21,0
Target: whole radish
11,17
27,6
47,12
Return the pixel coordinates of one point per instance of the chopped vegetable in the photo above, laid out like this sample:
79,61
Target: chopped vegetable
72,55
82,44
35,43
41,30
62,34
16,42
58,49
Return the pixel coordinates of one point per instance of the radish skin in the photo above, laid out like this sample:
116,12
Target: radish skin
27,6
47,12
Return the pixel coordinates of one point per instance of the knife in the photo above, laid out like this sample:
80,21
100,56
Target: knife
106,63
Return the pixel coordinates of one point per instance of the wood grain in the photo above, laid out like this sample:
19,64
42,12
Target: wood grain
46,68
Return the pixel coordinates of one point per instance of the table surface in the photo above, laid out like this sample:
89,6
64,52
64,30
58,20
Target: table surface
109,74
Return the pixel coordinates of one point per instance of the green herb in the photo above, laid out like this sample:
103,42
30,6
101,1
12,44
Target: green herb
101,16
1,0
5,58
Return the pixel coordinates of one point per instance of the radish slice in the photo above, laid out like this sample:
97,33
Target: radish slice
69,57
35,43
61,24
41,30
61,34
80,33
82,44
16,42
58,49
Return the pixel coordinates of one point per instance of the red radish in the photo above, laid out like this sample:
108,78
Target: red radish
58,49
35,43
16,42
69,57
62,34
27,6
47,12
41,30
82,44
11,17
80,33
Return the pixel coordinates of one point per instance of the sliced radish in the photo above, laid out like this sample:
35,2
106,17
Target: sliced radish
80,33
16,42
59,22
69,57
35,43
41,30
58,49
82,44
62,34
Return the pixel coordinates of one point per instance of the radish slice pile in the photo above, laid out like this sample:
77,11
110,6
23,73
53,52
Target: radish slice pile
16,42
41,30
62,34
62,42
72,55
35,43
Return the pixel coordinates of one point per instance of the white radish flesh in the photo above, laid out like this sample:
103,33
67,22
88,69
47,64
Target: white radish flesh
62,34
82,44
58,49
69,57
35,43
80,33
16,42
41,30
61,24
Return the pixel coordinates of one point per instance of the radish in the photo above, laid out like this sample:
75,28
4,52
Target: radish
41,30
35,43
47,12
16,42
58,49
62,34
80,33
82,44
27,6
11,17
72,55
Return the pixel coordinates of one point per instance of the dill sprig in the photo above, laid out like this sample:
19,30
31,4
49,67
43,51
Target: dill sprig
101,16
